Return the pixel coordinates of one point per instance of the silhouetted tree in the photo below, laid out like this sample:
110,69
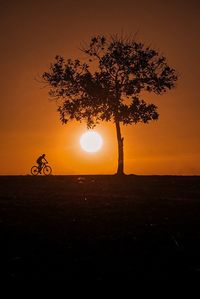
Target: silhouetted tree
109,86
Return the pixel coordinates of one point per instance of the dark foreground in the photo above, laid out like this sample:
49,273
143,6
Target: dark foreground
100,227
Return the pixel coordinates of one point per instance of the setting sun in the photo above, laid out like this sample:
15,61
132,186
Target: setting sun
91,141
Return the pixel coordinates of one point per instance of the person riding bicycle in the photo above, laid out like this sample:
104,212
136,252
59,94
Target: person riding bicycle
40,161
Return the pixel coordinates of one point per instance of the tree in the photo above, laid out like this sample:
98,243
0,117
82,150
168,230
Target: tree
108,87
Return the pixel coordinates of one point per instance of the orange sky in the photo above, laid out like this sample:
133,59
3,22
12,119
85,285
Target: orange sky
33,32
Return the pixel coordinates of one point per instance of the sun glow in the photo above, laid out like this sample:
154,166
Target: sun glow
91,141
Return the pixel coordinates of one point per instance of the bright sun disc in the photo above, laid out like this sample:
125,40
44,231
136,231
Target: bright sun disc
91,141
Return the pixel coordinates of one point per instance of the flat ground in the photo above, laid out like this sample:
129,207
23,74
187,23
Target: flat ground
100,227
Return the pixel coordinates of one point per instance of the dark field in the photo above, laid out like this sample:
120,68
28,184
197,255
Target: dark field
100,227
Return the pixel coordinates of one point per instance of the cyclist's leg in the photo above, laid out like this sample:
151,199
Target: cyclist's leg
39,167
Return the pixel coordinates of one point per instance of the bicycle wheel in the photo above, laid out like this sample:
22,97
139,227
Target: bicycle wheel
34,170
47,170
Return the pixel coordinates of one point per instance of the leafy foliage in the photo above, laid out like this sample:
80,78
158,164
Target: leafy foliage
118,69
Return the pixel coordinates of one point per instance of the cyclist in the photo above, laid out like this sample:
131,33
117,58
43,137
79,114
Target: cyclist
40,160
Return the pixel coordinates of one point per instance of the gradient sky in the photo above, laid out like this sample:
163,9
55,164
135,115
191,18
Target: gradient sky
33,32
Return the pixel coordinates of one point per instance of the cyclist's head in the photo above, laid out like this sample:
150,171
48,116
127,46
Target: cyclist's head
43,155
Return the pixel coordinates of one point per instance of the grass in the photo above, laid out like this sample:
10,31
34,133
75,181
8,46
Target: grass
100,227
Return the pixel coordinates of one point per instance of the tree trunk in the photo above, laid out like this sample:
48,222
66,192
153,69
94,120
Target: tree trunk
120,169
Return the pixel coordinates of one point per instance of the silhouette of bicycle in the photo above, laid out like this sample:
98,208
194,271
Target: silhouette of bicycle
46,169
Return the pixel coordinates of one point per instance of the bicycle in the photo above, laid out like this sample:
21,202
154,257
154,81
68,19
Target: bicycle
46,169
